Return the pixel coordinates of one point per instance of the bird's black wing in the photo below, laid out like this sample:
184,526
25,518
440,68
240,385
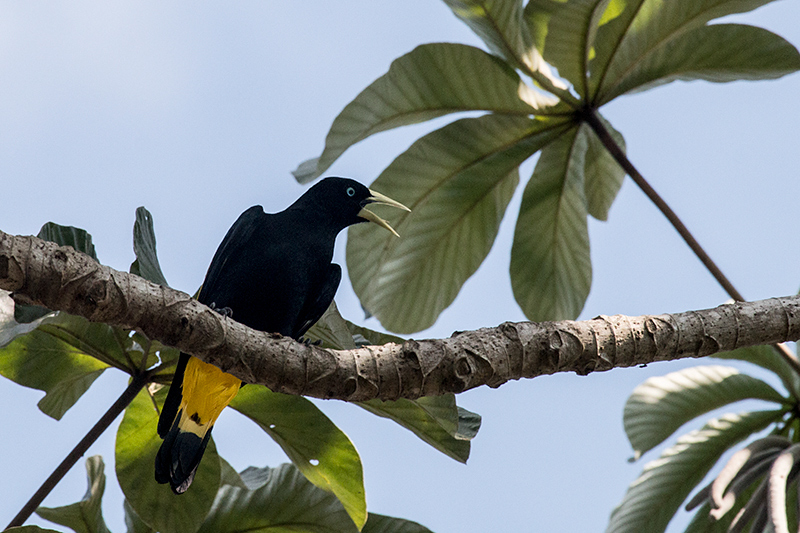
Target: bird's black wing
315,307
232,245
173,401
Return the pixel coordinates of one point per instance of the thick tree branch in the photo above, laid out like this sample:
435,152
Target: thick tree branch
61,278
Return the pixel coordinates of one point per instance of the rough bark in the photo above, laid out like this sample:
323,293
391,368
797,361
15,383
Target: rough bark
60,278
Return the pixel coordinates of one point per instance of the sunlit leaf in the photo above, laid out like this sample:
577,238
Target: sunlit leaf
41,361
498,23
703,522
86,516
661,405
322,452
564,33
628,36
457,181
653,498
428,82
155,504
551,271
602,174
718,53
144,246
767,357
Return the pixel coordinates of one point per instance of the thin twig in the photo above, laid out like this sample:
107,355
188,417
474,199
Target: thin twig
590,117
136,384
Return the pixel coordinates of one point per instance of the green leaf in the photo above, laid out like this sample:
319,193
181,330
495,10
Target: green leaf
332,330
144,246
386,524
551,271
718,53
564,33
457,181
661,405
497,22
703,522
279,500
430,81
29,529
436,420
602,174
86,516
133,522
628,35
45,362
155,504
229,476
653,498
768,358
322,452
78,238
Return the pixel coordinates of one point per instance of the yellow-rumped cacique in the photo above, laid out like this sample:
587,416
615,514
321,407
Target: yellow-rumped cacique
273,273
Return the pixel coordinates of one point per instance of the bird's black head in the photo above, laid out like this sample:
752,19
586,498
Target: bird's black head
344,201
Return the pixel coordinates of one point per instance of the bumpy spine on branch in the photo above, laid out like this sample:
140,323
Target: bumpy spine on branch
61,278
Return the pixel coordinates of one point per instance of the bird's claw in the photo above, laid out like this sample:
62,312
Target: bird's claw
309,342
224,311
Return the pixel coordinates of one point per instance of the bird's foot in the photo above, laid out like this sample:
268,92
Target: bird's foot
224,311
309,342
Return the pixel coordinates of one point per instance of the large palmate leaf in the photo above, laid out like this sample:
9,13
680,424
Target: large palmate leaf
718,53
653,498
133,522
432,420
661,405
322,452
40,360
85,516
78,238
144,246
428,82
155,504
564,34
767,357
457,181
551,271
632,30
436,420
602,174
282,500
498,23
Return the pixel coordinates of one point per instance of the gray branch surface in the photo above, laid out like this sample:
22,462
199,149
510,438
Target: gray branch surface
60,278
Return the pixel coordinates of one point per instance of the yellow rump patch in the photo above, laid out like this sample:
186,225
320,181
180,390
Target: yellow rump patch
207,390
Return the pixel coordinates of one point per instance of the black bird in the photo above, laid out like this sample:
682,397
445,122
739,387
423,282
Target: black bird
273,273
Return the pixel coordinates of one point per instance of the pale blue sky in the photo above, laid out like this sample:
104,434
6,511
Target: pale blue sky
198,111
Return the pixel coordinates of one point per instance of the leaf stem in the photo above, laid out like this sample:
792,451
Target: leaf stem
589,115
138,381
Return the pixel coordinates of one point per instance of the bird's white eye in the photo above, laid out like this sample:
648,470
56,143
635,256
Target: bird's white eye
351,191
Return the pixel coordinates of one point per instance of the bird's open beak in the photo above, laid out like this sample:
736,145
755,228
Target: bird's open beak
378,198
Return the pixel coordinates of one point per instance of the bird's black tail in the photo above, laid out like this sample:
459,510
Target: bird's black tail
179,456
198,394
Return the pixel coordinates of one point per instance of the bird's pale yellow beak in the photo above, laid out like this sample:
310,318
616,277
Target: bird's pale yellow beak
378,198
